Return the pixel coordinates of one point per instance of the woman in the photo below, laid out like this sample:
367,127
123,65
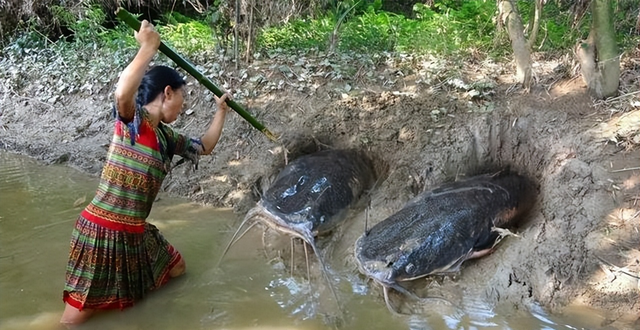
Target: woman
116,257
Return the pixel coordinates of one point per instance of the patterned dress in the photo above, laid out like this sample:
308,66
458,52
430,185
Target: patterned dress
116,257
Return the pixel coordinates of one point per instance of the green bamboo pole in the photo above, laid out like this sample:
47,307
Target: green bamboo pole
134,23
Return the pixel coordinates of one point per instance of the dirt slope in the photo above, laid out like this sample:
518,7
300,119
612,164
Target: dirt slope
580,245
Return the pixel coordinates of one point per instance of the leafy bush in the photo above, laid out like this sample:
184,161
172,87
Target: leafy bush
298,34
443,29
557,31
440,29
186,34
371,32
28,37
86,28
626,15
446,27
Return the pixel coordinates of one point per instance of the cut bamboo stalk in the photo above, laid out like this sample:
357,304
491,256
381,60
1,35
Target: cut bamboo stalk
134,23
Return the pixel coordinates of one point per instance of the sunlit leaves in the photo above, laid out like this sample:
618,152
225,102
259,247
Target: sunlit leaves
432,30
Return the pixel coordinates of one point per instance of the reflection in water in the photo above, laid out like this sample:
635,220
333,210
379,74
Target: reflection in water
247,291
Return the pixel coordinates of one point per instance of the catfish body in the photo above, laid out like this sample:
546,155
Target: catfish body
313,193
439,229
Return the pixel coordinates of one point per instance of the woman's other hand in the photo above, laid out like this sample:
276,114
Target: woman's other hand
221,102
212,135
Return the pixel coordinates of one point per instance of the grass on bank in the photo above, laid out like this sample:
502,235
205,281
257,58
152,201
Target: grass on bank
447,28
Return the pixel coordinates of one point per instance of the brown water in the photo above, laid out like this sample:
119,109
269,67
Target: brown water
252,289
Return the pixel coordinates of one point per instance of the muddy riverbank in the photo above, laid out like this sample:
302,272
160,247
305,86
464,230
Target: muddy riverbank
427,121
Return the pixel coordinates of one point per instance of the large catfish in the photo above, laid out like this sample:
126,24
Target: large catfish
439,229
313,194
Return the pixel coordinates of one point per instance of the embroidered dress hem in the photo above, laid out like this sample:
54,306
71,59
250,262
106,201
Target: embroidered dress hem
110,269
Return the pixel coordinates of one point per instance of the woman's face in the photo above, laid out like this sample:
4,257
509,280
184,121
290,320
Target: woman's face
172,104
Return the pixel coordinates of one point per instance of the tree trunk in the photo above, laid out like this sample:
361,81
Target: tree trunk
236,34
535,23
250,36
598,55
511,20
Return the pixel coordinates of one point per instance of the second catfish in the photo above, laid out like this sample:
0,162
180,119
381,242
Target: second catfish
440,229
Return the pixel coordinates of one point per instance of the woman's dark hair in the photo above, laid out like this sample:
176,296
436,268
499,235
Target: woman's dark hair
154,82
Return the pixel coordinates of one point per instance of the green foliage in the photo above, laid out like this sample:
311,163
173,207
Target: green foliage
87,24
557,28
87,33
447,27
220,22
62,16
626,13
560,30
444,29
371,32
297,34
440,29
186,34
353,7
29,38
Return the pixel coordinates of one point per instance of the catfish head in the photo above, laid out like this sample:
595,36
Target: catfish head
390,267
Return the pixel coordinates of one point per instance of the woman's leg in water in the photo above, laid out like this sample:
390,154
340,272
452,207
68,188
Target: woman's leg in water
178,269
72,316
